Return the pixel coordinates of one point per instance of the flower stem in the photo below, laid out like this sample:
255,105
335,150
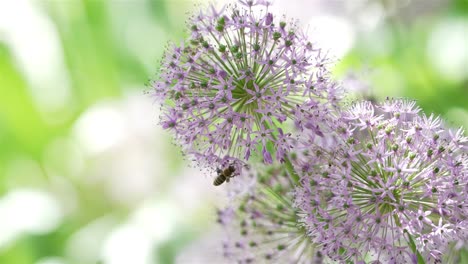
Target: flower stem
415,251
292,172
288,165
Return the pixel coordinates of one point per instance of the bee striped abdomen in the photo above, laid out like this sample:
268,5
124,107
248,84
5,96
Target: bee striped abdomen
219,180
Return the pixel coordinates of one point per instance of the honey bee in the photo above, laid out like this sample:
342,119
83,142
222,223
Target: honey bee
224,175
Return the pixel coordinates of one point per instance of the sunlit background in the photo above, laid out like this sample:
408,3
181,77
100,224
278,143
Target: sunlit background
87,176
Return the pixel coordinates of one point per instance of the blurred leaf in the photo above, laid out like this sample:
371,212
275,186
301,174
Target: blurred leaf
460,6
20,122
159,11
89,49
167,252
20,253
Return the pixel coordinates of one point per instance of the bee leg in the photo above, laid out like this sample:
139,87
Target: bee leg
218,170
227,179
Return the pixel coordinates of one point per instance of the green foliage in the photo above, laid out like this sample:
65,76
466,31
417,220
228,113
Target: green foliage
400,66
415,250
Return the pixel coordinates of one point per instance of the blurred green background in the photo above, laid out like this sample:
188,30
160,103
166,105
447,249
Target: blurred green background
87,176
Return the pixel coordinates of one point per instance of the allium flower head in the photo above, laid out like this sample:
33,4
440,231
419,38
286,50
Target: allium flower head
264,227
239,77
394,190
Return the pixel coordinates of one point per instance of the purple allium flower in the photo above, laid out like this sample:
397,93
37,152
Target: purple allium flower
242,74
264,227
398,178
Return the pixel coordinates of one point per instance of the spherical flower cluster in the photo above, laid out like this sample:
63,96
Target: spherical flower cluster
264,227
394,190
229,90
